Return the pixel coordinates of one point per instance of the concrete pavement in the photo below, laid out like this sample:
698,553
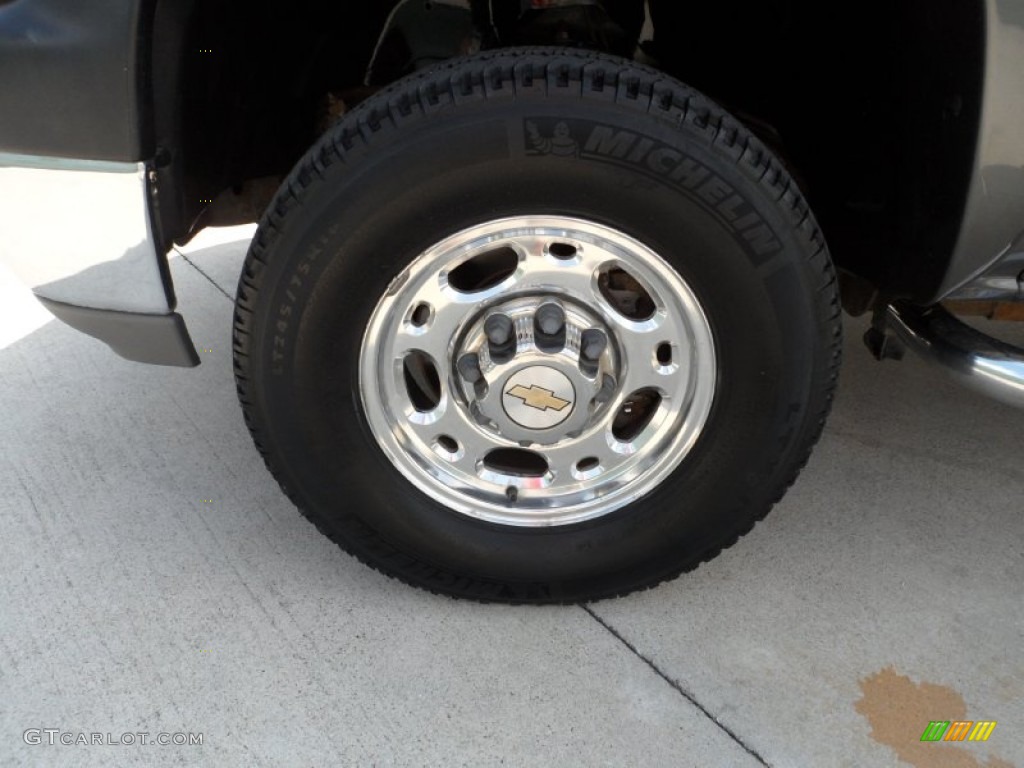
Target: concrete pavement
154,579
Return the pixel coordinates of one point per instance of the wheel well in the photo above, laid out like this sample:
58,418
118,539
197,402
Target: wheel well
237,91
874,107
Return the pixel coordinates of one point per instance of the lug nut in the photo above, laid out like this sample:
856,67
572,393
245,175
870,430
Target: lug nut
549,327
469,367
500,332
498,329
593,343
607,391
550,319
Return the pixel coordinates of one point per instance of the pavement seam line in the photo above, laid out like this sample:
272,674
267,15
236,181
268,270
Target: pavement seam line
677,686
198,269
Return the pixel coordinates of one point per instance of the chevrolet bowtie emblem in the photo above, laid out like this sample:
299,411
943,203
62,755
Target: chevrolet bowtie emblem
539,398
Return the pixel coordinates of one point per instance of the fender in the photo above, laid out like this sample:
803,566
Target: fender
71,79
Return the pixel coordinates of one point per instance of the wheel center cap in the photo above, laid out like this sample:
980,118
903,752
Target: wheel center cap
538,397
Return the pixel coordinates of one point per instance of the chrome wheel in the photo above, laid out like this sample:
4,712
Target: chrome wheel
537,371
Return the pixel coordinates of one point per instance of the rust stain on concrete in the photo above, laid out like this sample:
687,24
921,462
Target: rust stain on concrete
898,710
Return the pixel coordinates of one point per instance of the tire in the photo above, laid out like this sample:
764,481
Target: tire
534,147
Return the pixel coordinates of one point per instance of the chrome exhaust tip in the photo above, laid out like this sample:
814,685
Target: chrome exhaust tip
986,365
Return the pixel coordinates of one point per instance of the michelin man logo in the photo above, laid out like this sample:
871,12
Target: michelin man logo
560,143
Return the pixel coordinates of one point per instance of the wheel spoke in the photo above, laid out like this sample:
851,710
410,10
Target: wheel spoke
643,374
435,337
452,422
644,370
564,459
572,277
570,281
